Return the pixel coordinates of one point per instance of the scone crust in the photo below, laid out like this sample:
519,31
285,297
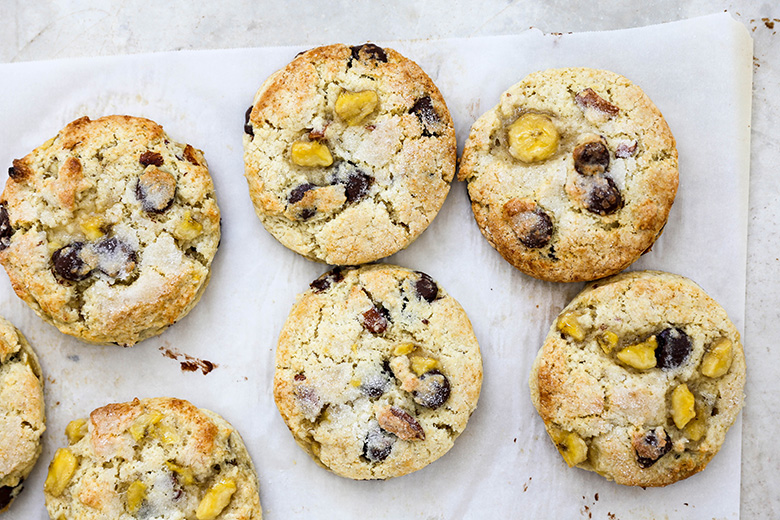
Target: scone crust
578,387
177,451
82,187
335,377
390,173
584,245
22,412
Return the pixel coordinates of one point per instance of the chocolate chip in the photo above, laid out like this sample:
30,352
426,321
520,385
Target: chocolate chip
298,192
423,109
156,190
115,258
378,444
375,320
377,383
307,213
7,494
150,157
13,173
433,390
357,185
426,288
6,231
625,149
651,446
324,282
589,99
604,197
538,229
248,127
591,158
674,347
370,51
68,263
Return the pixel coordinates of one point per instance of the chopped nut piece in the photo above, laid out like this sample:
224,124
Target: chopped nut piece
422,364
683,406
401,368
608,340
156,190
569,325
572,448
216,500
403,349
354,107
625,149
717,361
76,430
640,356
400,422
62,468
136,494
589,99
533,138
311,154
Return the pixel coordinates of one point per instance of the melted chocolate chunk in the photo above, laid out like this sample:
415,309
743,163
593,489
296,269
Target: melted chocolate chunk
376,384
539,231
7,494
6,231
247,127
651,446
426,288
156,190
298,192
375,320
378,444
591,158
674,347
423,109
369,51
604,197
68,263
324,282
150,157
433,390
13,173
357,185
115,258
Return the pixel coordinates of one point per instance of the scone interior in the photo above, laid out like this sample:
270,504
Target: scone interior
377,371
572,175
349,152
640,378
108,230
22,414
153,458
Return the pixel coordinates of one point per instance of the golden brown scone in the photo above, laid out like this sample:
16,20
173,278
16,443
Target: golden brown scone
572,175
22,414
377,371
157,458
108,230
640,378
349,153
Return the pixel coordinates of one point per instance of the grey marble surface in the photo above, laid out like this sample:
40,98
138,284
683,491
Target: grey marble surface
49,29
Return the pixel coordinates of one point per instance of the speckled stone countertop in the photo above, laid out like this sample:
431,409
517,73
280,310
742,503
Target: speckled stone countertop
50,29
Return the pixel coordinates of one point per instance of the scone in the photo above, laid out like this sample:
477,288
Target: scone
156,458
349,153
22,414
108,230
377,371
640,378
572,175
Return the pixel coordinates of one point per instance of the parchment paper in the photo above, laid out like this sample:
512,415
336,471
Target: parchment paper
699,74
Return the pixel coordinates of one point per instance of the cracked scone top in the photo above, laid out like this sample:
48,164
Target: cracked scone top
349,153
159,458
572,175
639,379
22,414
108,230
377,371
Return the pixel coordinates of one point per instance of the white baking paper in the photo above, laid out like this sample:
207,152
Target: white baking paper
699,74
